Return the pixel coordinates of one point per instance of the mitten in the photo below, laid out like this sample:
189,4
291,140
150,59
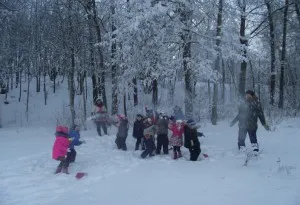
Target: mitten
266,126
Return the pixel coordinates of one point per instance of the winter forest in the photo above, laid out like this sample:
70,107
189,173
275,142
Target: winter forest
159,101
217,49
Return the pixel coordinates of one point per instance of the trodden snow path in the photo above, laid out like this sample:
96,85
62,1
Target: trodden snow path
117,177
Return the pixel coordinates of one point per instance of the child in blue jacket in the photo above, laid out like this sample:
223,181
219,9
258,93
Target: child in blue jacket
75,136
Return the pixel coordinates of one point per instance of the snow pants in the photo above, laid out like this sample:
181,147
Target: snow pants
121,143
104,127
139,142
162,141
194,153
150,147
71,156
243,134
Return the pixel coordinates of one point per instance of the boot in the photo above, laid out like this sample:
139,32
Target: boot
58,169
255,147
179,155
65,170
175,155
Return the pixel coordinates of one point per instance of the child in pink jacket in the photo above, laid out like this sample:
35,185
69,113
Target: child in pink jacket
176,139
60,148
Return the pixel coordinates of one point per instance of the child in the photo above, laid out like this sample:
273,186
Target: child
176,139
138,131
122,132
149,132
60,148
162,134
75,136
191,140
101,117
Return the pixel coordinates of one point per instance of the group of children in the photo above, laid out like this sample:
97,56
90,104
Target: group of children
183,133
144,130
63,148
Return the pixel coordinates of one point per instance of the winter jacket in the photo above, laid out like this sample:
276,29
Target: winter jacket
176,138
123,128
149,130
61,143
75,136
138,129
101,114
178,114
162,126
248,114
191,137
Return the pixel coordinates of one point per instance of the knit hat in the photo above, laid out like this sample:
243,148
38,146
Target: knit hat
191,122
250,92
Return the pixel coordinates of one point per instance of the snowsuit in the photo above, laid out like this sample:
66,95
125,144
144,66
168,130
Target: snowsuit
176,139
101,118
149,132
122,134
60,148
248,114
75,136
191,141
138,133
162,135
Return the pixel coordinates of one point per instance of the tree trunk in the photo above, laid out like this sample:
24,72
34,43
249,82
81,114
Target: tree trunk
244,42
297,4
71,86
283,56
20,90
155,93
124,103
218,64
45,89
209,93
84,103
17,78
28,92
114,65
135,92
273,55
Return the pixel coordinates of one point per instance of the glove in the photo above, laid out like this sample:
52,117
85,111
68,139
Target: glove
266,126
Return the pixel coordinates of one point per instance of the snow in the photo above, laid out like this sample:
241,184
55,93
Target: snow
118,177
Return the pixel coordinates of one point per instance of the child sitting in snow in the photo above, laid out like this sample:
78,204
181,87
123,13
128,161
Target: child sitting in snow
123,127
149,132
176,139
60,148
74,134
191,140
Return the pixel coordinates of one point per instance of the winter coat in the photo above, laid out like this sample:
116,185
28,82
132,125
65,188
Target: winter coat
61,143
123,128
138,129
162,126
75,136
191,137
101,114
176,138
248,114
149,130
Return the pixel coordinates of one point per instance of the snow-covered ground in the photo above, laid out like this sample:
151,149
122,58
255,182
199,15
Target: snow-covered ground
118,177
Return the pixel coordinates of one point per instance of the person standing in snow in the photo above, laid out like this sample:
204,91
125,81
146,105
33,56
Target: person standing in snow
162,134
60,148
122,133
138,131
191,140
101,117
149,132
248,113
176,139
74,134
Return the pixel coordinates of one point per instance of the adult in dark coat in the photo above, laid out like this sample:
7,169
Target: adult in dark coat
162,134
191,140
248,114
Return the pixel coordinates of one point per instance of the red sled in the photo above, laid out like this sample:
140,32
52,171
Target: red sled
79,175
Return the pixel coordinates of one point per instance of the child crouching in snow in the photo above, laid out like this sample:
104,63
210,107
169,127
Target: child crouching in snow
149,132
60,148
122,133
74,134
176,139
191,140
